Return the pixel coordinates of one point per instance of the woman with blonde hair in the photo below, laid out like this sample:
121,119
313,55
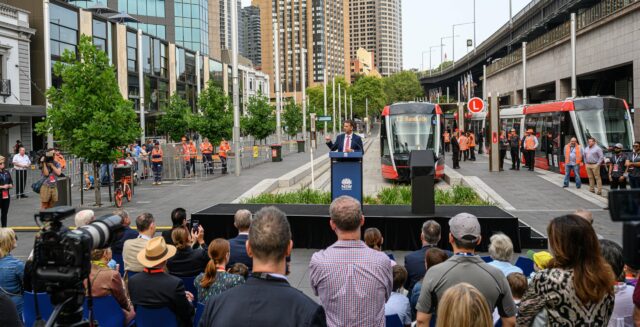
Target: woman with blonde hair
463,306
11,269
215,279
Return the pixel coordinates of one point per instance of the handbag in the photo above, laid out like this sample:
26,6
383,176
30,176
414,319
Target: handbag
37,185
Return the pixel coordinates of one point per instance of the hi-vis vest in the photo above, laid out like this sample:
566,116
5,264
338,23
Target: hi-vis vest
530,143
156,155
567,153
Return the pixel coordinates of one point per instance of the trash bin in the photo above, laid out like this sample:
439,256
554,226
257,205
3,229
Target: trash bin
276,152
64,191
300,145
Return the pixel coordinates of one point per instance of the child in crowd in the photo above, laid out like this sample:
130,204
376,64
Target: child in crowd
88,181
540,261
398,303
518,285
241,269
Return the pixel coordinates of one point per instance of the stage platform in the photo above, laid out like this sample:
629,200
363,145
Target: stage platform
400,228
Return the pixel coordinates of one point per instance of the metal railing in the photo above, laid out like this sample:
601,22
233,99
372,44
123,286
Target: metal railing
596,13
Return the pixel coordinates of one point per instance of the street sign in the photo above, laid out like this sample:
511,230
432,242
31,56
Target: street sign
469,42
475,105
324,118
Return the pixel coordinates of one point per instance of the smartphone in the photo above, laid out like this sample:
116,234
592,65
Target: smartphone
195,224
624,205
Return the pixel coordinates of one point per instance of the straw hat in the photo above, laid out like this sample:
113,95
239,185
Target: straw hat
156,252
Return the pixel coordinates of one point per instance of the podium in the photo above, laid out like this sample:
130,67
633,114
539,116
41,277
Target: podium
346,174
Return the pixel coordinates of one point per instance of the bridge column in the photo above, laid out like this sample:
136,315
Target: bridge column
636,97
563,88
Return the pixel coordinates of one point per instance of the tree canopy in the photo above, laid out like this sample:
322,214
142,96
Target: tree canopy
216,121
177,118
292,118
371,88
402,86
261,121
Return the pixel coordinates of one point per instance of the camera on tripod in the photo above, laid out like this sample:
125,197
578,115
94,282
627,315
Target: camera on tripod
62,259
624,206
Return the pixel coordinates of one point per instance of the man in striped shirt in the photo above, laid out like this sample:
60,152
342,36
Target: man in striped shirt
352,280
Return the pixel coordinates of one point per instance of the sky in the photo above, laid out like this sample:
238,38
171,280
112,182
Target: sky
424,22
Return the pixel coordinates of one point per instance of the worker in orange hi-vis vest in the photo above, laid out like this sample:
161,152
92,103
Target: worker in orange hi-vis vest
207,150
156,163
185,152
572,161
472,145
463,142
193,155
446,138
222,152
530,146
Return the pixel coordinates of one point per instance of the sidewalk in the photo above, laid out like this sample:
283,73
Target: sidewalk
537,197
160,200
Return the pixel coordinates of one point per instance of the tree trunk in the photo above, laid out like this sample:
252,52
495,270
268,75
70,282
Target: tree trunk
96,183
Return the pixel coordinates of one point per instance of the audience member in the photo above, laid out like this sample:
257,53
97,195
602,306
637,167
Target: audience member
463,305
432,257
465,266
540,259
179,219
242,221
623,307
127,234
84,217
518,285
414,261
272,301
373,239
240,269
187,262
8,314
501,250
155,288
146,228
398,303
577,289
215,279
11,269
106,281
362,276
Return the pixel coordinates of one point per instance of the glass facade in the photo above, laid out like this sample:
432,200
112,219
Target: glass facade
64,30
100,34
153,29
192,24
153,8
186,76
215,73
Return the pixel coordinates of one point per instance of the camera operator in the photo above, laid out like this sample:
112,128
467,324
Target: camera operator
50,173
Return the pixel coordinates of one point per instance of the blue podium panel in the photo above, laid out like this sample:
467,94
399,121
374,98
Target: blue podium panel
346,174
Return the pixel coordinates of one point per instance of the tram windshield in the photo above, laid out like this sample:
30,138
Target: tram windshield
607,126
412,132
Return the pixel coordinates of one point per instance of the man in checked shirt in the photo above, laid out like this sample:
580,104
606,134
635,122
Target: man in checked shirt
352,280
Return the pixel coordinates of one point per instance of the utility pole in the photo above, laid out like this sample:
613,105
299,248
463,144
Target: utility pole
141,83
236,90
276,57
351,106
524,72
339,108
346,112
303,67
574,81
366,110
324,81
333,108
453,41
474,26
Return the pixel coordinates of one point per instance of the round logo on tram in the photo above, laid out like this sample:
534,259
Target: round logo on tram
346,184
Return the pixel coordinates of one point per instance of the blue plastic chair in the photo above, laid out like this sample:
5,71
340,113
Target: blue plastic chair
118,258
153,317
106,311
29,308
525,264
486,258
393,321
199,310
189,286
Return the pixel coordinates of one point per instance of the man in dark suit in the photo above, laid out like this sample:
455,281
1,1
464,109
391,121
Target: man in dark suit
414,261
347,141
266,299
155,288
237,245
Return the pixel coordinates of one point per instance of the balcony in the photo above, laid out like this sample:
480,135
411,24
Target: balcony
5,88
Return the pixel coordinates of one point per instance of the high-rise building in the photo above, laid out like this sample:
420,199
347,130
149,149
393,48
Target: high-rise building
376,26
251,45
363,65
319,26
225,22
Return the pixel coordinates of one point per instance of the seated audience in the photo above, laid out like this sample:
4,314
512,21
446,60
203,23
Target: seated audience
11,269
362,276
179,219
373,239
8,314
398,303
155,288
501,250
106,281
242,221
215,279
240,269
463,305
576,289
84,217
414,261
623,307
127,234
266,299
146,229
465,266
187,262
432,257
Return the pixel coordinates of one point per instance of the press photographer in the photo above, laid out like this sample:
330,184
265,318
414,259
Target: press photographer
47,185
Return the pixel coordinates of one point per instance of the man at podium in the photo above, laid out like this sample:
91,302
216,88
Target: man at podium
347,141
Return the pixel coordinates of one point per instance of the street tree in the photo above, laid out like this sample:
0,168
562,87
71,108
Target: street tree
261,121
88,117
292,118
177,118
216,121
371,88
402,86
316,97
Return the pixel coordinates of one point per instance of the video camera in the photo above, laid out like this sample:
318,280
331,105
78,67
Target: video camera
624,206
62,259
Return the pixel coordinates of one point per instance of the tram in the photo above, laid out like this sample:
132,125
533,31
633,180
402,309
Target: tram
606,119
406,127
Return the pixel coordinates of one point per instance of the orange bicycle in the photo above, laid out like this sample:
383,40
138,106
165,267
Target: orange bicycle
122,185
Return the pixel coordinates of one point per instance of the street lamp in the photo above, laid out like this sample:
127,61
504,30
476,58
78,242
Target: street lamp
431,49
452,37
453,47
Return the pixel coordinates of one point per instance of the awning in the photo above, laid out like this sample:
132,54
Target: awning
21,110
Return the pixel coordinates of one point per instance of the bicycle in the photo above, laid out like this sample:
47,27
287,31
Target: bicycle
122,185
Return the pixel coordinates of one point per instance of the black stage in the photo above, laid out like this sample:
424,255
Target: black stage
400,228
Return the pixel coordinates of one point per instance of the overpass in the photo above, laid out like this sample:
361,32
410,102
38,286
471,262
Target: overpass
607,55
